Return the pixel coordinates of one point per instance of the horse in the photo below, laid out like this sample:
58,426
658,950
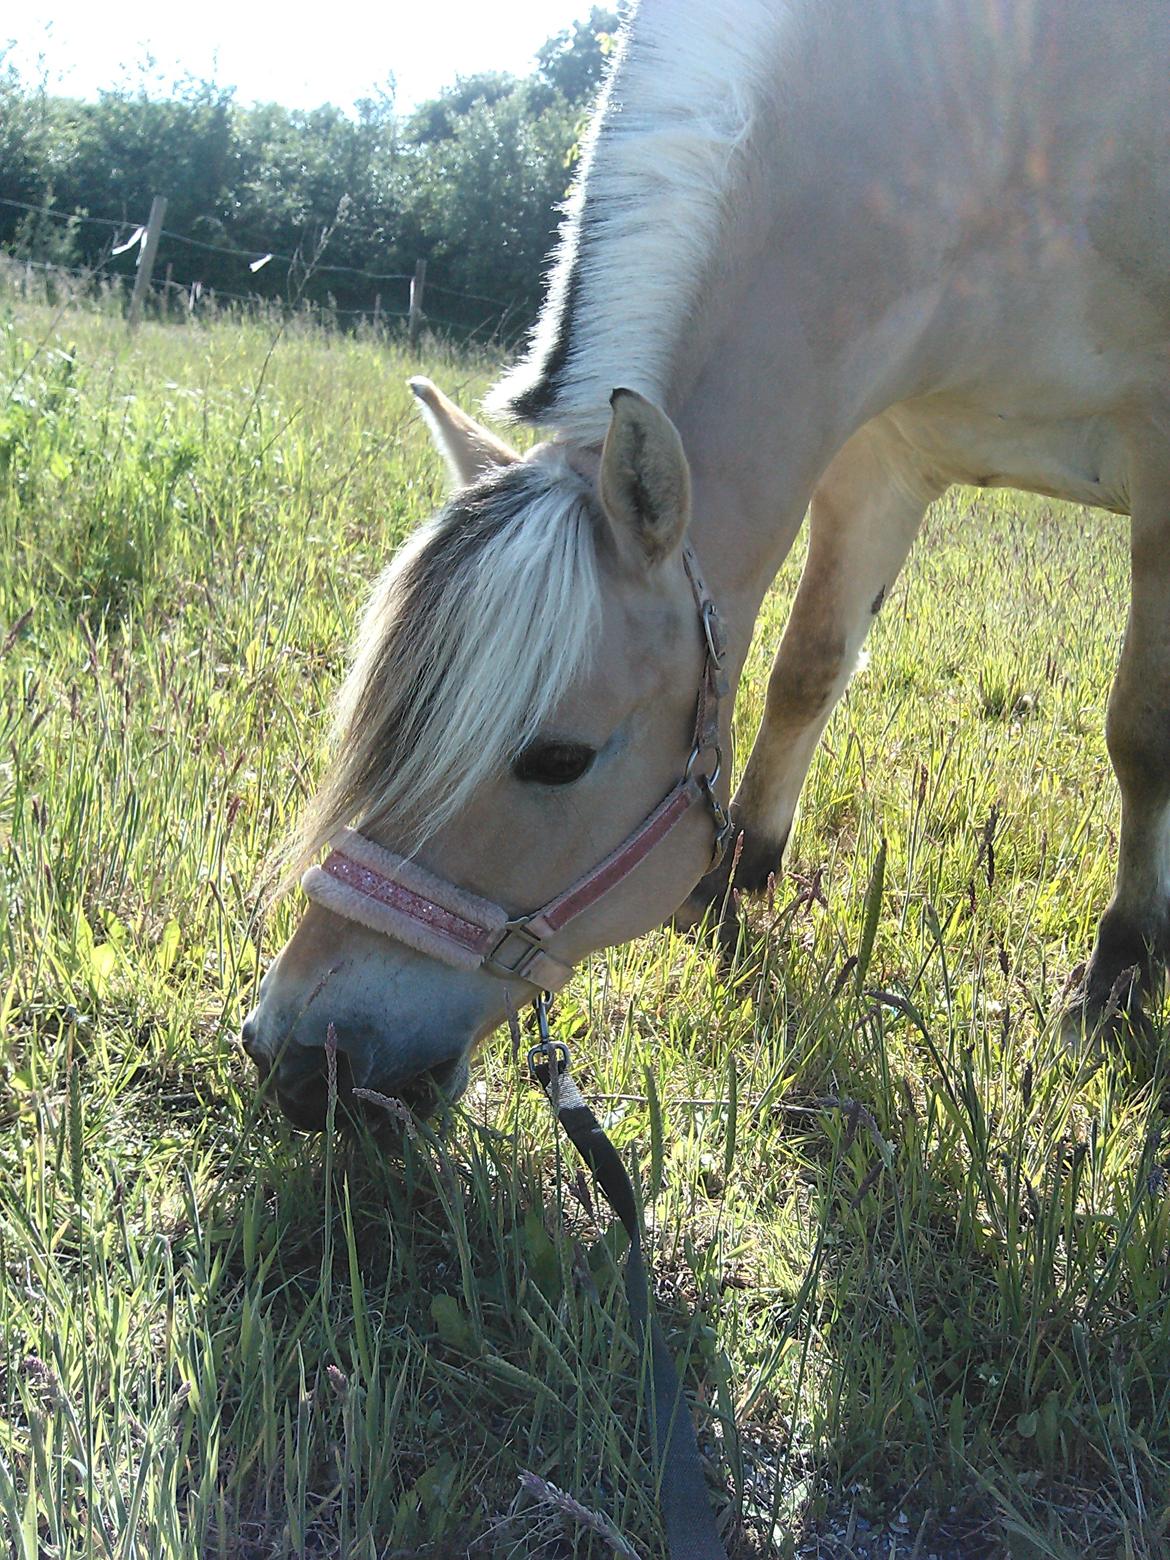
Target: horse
818,257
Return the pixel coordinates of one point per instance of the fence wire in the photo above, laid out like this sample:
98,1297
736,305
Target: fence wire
125,226
211,297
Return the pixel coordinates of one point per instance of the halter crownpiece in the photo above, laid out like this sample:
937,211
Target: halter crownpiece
393,895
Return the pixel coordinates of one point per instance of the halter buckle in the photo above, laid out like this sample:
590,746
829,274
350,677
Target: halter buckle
713,633
497,961
724,824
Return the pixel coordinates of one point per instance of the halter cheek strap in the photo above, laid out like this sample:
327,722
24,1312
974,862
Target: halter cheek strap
393,895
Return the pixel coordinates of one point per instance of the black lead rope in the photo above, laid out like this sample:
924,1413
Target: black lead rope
691,1533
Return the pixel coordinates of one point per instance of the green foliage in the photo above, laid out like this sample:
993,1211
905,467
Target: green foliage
488,191
470,182
25,144
916,1256
572,63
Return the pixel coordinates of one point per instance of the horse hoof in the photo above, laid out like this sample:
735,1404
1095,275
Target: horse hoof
1093,1026
747,867
707,905
1082,1029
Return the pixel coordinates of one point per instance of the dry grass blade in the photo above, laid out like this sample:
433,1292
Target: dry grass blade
594,1521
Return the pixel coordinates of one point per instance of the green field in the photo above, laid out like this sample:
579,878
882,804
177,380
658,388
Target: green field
916,1256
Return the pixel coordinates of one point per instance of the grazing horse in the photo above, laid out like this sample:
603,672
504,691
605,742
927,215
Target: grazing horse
822,255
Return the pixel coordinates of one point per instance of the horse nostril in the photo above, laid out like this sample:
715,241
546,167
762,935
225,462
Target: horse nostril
302,1089
252,1047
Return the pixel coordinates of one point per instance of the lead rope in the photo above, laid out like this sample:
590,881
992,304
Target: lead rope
687,1515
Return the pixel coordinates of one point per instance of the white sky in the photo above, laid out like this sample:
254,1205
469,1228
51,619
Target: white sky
294,54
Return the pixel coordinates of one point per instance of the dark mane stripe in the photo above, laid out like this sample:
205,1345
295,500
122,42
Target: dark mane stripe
536,402
535,388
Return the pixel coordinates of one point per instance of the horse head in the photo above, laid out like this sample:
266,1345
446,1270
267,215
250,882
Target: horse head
519,728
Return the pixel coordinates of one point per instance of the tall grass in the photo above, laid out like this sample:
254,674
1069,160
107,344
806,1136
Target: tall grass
914,1255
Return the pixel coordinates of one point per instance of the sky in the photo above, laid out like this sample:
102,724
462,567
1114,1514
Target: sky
295,55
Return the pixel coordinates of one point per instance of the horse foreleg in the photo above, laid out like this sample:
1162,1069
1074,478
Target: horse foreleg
864,516
1133,939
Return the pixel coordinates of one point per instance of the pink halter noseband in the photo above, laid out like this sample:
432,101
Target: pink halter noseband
391,894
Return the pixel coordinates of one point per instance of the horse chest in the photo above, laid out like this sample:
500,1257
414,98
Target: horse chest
1078,459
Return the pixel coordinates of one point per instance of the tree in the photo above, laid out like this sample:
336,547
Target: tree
573,62
25,158
484,198
438,119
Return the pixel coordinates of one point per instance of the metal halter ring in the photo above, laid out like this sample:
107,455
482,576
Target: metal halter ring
696,754
554,1054
724,826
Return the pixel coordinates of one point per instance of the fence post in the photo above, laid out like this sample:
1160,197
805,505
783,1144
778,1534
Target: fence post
414,323
158,210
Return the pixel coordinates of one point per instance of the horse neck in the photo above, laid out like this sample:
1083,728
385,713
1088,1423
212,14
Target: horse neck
800,317
786,375
647,217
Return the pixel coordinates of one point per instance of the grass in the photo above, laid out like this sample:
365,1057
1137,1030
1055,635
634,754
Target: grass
914,1255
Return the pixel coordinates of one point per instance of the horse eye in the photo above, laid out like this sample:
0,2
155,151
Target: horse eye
553,763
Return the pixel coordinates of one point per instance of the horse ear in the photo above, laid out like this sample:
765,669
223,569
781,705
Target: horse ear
645,482
470,450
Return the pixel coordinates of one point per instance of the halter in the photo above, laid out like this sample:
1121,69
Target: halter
393,895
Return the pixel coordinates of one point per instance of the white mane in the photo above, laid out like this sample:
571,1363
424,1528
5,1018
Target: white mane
647,210
472,636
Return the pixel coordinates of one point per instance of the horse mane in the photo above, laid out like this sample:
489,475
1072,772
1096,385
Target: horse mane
471,637
648,210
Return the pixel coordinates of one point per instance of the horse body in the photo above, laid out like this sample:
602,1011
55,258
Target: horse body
1003,320
857,251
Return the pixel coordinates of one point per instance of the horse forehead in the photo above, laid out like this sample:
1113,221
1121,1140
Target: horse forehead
644,651
645,610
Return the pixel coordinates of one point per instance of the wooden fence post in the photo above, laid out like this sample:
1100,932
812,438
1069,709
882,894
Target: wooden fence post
414,322
158,210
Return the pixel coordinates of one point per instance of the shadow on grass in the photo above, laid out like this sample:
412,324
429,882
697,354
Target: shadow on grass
959,1348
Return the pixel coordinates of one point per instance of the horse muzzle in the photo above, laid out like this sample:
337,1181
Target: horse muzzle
302,1078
